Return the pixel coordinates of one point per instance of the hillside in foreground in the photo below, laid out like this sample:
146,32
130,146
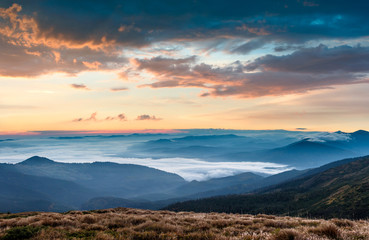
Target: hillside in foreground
124,223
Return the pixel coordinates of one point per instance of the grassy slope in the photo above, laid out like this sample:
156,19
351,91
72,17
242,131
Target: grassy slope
133,224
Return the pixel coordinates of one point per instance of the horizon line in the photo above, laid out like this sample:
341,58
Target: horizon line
145,131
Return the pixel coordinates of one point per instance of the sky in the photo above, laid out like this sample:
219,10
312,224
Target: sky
135,65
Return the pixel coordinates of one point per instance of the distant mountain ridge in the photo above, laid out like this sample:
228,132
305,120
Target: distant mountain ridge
339,190
305,153
23,192
112,179
36,160
39,183
42,184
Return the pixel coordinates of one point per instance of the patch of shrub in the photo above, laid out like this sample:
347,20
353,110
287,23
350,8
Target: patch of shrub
342,222
159,227
310,223
18,233
197,236
82,234
136,220
287,234
328,230
220,224
89,219
279,223
21,215
149,236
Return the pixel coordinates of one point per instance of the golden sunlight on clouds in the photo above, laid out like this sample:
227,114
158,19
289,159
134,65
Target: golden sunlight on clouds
124,68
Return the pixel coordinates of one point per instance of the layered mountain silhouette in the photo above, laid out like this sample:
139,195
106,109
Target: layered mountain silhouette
302,154
23,192
205,146
41,184
44,185
339,190
109,179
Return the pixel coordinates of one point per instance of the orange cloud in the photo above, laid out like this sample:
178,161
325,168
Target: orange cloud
28,51
300,72
92,65
24,31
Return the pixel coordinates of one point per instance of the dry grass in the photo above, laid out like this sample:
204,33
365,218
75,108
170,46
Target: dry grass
134,224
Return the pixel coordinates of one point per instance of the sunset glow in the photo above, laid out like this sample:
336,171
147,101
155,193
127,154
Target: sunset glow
124,67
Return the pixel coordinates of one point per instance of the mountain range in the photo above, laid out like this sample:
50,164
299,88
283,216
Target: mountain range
338,190
42,184
301,154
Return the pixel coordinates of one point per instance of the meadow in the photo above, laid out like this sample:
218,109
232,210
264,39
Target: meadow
135,224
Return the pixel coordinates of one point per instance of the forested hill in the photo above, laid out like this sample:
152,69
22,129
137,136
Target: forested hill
341,191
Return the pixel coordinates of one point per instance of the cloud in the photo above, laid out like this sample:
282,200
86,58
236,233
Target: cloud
282,48
36,38
195,169
91,118
110,24
92,65
320,59
119,89
277,83
120,117
166,66
328,136
79,86
28,52
147,117
249,46
304,70
139,23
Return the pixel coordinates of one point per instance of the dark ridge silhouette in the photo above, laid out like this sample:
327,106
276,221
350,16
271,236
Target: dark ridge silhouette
36,160
339,191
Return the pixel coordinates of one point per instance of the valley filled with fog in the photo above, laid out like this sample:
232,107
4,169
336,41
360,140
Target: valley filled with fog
193,154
